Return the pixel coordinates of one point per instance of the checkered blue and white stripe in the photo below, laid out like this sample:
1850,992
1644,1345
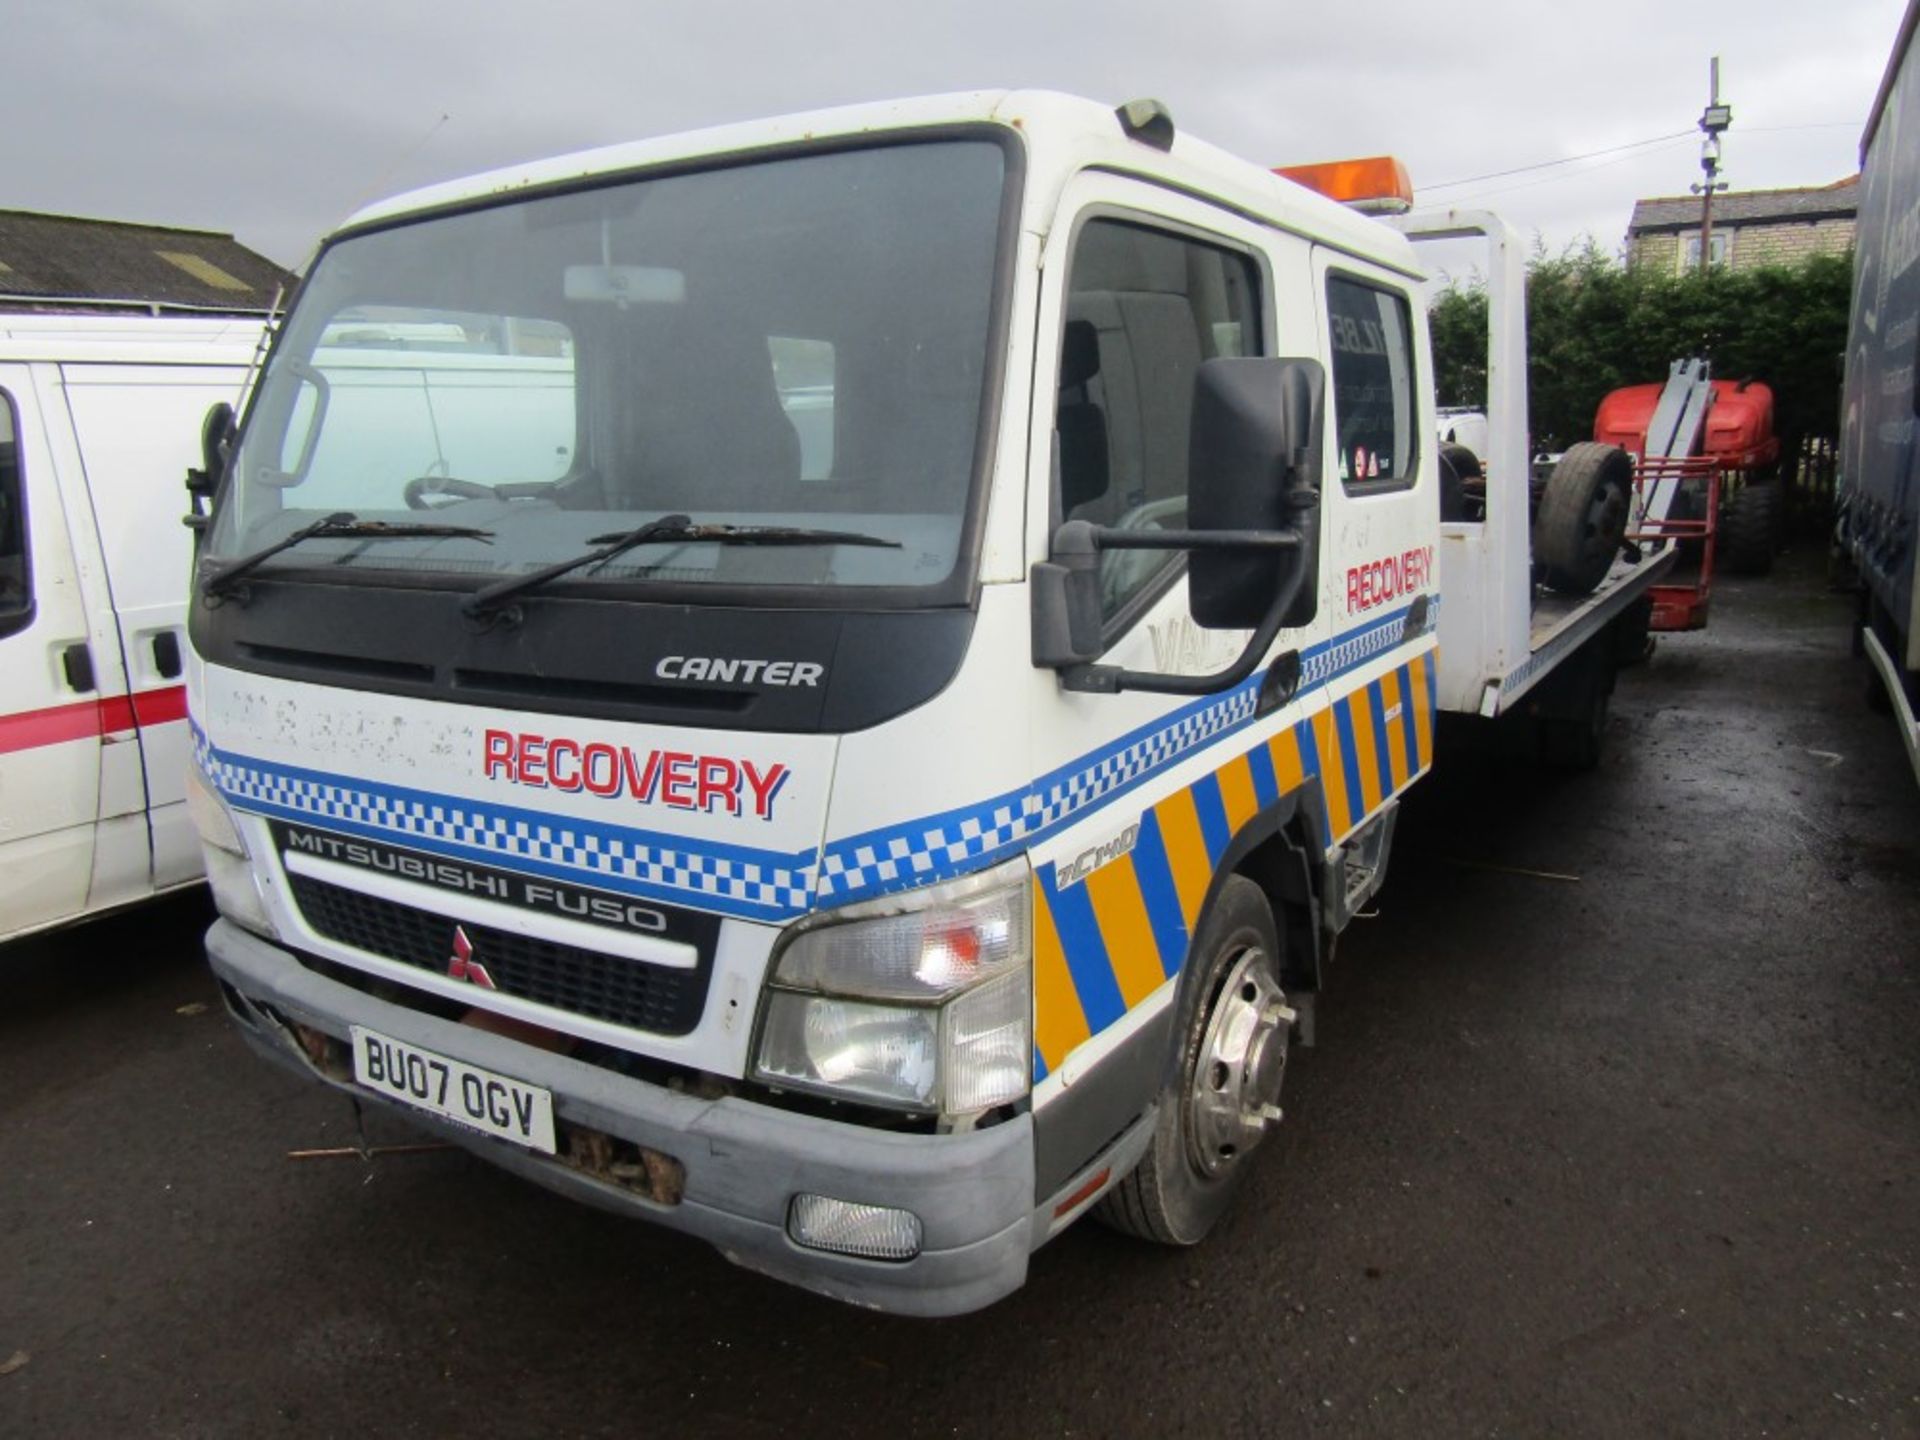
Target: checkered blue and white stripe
764,884
1356,647
931,848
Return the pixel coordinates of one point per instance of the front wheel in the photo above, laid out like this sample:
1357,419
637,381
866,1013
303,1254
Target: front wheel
1224,1095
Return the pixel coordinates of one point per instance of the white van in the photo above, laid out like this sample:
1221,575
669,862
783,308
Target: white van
99,417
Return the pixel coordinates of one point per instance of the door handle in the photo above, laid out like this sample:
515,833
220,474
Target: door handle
77,662
166,655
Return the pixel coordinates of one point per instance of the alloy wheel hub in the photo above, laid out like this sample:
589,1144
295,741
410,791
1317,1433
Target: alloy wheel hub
1235,1095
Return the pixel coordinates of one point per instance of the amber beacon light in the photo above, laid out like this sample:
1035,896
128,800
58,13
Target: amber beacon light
1375,185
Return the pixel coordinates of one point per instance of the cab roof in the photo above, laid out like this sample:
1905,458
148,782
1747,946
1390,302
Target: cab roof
1062,135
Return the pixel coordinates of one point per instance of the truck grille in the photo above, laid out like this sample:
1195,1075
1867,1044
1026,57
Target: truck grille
584,982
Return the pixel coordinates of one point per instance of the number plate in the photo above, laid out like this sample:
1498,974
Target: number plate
455,1090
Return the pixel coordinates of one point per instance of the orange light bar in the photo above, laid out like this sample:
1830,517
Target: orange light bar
1377,184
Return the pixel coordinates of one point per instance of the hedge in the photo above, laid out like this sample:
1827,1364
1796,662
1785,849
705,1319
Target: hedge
1594,325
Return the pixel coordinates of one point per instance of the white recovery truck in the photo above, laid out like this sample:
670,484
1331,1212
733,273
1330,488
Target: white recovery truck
832,683
97,416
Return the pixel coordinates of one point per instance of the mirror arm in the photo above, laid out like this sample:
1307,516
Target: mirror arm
1111,679
1105,538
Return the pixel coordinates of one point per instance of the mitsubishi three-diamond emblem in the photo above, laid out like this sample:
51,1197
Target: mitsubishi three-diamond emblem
462,965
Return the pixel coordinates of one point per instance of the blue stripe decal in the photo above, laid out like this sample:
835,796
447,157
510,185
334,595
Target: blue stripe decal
1382,752
1310,767
1039,1066
1211,807
1408,728
1350,763
1266,784
1155,873
1086,952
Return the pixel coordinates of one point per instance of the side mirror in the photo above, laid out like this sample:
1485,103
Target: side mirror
1253,498
1254,465
216,449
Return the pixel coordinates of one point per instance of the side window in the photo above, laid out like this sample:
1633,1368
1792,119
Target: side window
1144,308
1373,410
803,375
16,571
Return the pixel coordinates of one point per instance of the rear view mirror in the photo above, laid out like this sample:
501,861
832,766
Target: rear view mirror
625,285
216,448
1253,500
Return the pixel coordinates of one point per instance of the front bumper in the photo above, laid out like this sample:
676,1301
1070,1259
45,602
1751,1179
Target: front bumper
744,1162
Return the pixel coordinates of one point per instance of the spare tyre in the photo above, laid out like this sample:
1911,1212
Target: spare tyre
1582,519
1752,525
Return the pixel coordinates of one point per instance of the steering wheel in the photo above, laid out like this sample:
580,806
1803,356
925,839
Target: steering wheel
1124,571
423,490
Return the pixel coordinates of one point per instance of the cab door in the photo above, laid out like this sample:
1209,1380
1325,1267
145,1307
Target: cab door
1146,794
1380,419
1380,504
49,682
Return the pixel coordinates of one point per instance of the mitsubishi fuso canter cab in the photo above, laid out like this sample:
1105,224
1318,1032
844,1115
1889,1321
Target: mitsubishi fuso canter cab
829,683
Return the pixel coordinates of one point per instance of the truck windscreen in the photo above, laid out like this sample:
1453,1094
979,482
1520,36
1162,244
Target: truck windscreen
799,342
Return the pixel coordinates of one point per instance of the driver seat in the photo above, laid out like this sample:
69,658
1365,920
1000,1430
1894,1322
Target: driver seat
1081,423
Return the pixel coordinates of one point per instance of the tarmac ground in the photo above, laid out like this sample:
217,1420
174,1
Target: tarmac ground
1612,1128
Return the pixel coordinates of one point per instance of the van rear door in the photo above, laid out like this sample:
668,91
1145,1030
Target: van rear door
50,711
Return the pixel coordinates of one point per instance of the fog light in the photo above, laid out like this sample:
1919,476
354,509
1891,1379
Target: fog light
871,1232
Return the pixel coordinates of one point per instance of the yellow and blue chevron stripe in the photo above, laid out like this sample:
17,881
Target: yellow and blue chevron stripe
1104,944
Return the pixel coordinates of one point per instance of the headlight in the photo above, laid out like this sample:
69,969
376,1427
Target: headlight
922,1001
236,894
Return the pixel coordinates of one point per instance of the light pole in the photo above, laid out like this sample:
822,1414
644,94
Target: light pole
1713,120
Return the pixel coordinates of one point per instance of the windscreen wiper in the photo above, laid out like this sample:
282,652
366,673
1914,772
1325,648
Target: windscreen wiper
667,530
342,525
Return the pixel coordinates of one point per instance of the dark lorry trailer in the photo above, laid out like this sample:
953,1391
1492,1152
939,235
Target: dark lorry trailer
1878,485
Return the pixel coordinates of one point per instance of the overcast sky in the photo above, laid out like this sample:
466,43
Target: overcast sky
274,119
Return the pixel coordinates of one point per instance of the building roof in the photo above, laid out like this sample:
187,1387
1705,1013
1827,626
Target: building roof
1838,201
50,262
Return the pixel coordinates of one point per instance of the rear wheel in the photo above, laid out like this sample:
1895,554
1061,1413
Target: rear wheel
1224,1094
1752,528
1572,705
1582,519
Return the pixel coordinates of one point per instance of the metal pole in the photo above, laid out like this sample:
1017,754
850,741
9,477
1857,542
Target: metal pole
1713,120
1706,217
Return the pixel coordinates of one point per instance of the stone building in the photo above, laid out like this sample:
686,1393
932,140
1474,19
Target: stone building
1751,228
70,263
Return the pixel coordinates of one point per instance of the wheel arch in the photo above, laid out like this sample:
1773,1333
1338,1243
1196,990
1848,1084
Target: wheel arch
1276,849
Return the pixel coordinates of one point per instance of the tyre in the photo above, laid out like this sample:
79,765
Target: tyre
1458,465
1222,1096
1572,705
1582,519
1751,529
1574,743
